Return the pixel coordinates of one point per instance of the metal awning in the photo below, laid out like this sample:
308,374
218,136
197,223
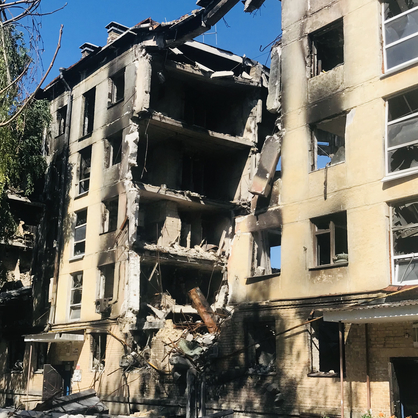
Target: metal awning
53,337
374,313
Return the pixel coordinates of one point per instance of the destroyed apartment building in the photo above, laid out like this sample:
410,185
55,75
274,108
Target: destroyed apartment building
289,219
152,151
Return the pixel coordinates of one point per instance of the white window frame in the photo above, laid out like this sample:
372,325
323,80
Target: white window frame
397,42
75,307
76,227
82,180
411,256
389,175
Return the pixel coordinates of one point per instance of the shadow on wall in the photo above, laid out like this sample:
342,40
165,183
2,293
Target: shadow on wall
56,193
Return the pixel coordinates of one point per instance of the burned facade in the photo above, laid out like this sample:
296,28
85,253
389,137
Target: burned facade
225,249
153,146
344,303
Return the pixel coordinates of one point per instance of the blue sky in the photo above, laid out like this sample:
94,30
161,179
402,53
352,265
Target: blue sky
85,21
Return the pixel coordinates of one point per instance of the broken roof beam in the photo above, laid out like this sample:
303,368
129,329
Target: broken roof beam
216,10
198,22
251,5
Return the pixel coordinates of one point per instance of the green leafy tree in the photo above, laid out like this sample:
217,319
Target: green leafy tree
23,121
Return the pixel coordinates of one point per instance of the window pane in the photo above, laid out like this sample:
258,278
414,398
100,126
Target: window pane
84,186
75,312
403,158
403,132
81,217
80,233
403,52
77,281
401,27
407,270
76,296
80,248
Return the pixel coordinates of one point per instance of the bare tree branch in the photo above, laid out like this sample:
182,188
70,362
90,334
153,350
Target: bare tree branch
16,80
28,6
32,96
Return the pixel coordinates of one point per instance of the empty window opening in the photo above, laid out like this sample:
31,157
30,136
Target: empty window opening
266,252
84,170
403,375
177,281
98,351
328,142
261,347
324,348
88,113
113,150
401,135
191,229
61,119
16,354
106,281
110,215
75,295
41,355
201,103
80,232
400,21
330,239
405,242
193,173
116,88
327,47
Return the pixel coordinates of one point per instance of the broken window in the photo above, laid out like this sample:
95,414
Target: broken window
80,233
84,170
402,133
330,239
98,351
261,347
88,113
324,348
75,295
266,252
327,47
41,355
405,242
113,150
328,142
403,379
116,88
61,119
110,215
400,34
106,282
16,354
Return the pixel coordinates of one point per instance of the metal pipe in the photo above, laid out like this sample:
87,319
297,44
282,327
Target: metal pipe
340,332
29,369
369,403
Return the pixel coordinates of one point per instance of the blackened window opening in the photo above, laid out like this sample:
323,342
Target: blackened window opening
84,170
89,103
261,346
61,119
327,46
330,239
325,349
